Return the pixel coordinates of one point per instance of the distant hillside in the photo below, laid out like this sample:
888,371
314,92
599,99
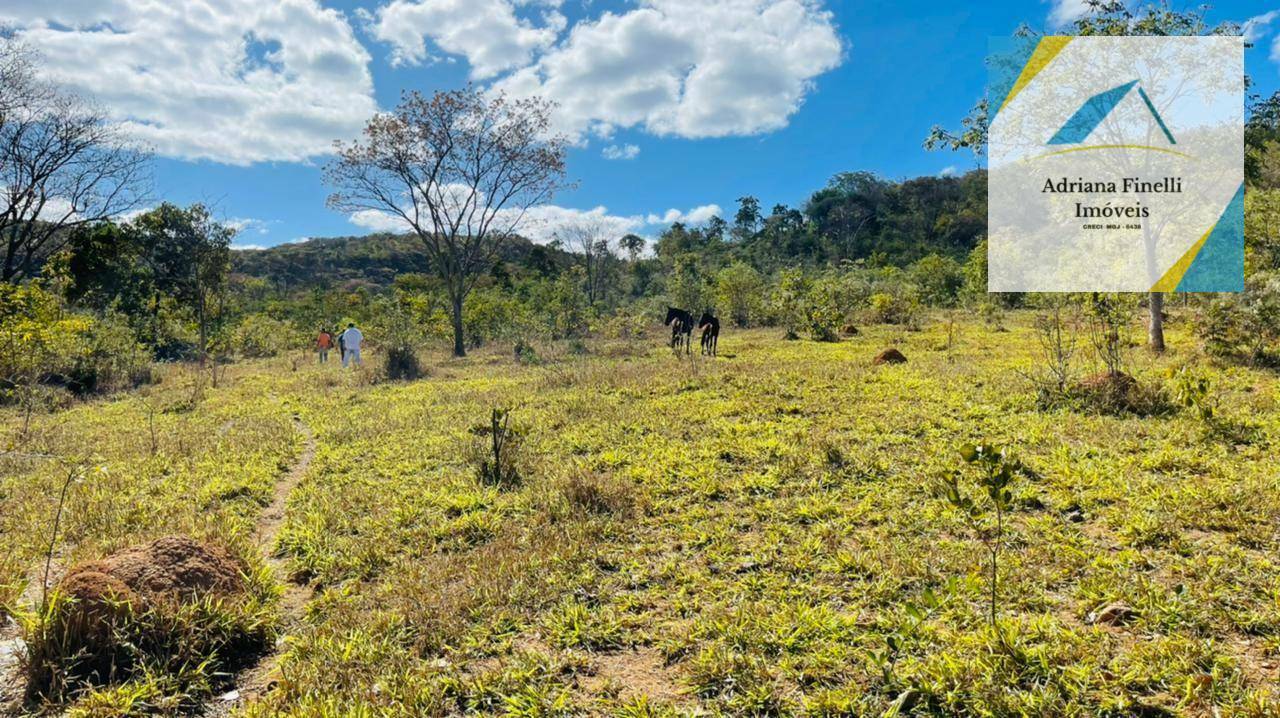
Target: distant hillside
373,260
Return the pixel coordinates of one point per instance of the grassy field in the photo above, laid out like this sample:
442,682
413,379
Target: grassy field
758,534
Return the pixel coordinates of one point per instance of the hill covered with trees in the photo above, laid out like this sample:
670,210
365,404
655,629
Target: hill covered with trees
857,216
372,260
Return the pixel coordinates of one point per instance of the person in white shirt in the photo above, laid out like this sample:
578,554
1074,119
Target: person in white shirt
351,339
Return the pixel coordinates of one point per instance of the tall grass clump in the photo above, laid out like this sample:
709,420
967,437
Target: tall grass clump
97,632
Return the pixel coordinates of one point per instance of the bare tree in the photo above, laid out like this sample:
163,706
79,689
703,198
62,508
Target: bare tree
62,164
460,170
589,236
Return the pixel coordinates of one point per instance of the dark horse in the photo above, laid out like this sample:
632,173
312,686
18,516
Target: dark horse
681,328
710,327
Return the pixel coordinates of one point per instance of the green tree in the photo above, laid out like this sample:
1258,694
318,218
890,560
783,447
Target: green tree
747,219
789,299
739,290
822,311
633,245
939,279
1262,230
565,305
1262,143
687,284
189,257
106,268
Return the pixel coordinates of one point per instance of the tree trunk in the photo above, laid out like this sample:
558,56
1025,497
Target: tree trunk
459,346
1155,327
204,343
155,320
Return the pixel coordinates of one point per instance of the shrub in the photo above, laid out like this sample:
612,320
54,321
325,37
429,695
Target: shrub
525,353
995,471
1244,326
823,315
259,336
739,290
494,315
41,343
1193,391
688,286
401,363
625,324
901,307
974,288
564,306
1109,318
400,335
114,360
939,279
787,301
1054,373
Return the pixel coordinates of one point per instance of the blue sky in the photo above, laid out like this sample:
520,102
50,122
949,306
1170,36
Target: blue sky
772,97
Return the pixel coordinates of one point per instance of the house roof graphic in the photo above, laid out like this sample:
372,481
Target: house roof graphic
1095,110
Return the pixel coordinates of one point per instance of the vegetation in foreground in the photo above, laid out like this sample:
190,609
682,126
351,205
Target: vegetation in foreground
764,533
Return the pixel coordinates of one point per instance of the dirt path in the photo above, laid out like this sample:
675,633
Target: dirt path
255,681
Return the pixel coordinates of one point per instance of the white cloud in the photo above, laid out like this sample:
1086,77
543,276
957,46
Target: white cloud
1256,27
378,221
541,223
1065,11
246,247
486,32
1275,50
697,215
56,209
235,81
621,152
132,214
948,171
243,225
688,69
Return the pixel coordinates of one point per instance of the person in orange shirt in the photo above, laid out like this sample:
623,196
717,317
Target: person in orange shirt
324,343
